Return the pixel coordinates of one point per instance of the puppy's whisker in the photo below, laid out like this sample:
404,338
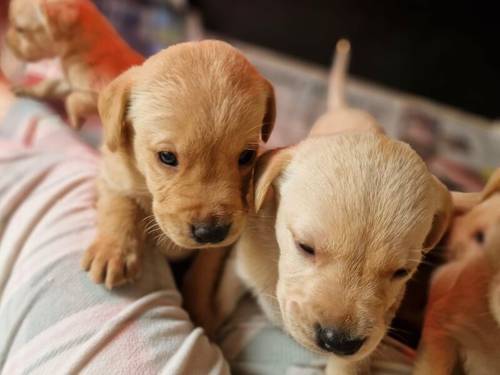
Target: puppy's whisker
399,330
148,217
153,231
272,296
253,128
264,216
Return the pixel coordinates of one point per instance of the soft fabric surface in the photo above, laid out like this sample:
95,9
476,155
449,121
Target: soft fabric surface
53,319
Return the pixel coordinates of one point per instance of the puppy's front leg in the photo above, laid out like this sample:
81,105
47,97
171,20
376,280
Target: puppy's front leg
437,354
45,89
336,366
211,289
115,257
79,105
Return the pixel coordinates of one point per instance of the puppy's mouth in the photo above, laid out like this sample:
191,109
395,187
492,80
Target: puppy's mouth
331,341
352,349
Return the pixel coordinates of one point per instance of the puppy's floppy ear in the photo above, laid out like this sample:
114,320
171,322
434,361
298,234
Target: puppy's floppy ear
442,215
268,169
493,185
463,202
112,105
59,16
270,114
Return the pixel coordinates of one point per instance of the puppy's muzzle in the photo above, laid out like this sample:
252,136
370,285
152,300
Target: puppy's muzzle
209,232
337,341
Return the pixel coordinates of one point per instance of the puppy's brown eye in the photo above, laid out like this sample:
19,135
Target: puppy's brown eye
479,237
168,158
306,249
20,29
400,273
246,157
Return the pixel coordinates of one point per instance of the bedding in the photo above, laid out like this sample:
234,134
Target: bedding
53,319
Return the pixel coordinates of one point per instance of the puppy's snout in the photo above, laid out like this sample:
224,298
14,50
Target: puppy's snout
337,341
209,232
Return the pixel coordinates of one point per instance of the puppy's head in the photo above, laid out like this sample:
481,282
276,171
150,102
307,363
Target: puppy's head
355,214
38,27
191,119
476,216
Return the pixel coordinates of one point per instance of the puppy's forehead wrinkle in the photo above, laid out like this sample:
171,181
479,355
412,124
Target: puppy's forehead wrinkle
213,88
214,120
355,187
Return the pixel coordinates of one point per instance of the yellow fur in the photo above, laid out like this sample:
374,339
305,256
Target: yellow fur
202,101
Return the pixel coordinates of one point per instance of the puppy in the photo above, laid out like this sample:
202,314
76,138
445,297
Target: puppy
91,52
339,114
181,134
462,323
475,213
341,222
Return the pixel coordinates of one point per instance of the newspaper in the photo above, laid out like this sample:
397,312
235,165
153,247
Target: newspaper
460,148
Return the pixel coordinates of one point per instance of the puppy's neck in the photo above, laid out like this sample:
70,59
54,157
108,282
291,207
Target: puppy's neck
257,257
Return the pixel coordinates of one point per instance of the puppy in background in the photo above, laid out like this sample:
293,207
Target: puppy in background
341,222
92,53
181,134
340,118
462,323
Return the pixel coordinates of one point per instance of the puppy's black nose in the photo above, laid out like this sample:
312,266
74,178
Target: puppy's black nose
337,341
210,233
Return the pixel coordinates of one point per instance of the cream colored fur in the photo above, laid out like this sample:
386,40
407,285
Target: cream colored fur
366,204
203,102
462,323
91,52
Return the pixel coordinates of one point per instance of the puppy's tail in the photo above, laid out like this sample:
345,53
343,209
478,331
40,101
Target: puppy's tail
336,93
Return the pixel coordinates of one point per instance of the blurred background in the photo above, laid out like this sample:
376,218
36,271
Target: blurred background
429,71
443,50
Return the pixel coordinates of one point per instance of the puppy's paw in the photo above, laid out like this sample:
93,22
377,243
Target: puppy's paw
21,90
75,121
112,262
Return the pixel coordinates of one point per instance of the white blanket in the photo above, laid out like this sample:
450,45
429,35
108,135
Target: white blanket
53,319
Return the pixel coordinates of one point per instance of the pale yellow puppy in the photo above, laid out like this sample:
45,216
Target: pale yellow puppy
91,51
462,322
181,135
341,224
339,117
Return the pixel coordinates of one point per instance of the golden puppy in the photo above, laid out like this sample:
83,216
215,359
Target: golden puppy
181,134
462,323
91,52
341,224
